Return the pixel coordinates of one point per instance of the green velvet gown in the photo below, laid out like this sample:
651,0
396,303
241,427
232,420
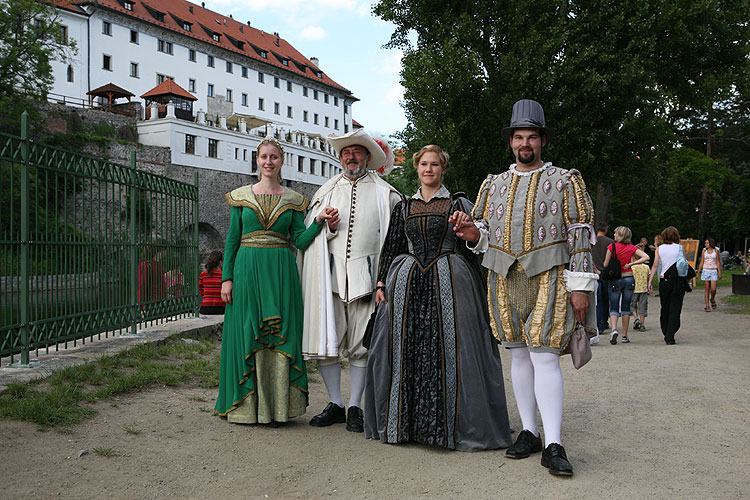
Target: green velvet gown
262,373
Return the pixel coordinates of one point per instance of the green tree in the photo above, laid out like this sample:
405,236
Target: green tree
31,36
614,78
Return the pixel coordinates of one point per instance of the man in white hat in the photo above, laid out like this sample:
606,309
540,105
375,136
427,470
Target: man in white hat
340,269
534,226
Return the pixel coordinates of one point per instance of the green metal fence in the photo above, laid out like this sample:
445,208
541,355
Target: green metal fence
89,248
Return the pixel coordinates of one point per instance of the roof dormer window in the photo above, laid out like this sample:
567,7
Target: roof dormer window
216,37
319,74
187,26
285,62
264,54
127,5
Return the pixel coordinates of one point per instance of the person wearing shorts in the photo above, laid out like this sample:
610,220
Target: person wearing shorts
639,300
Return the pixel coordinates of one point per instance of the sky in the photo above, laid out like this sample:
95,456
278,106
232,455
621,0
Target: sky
348,41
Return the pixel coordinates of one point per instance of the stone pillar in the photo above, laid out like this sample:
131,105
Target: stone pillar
243,126
154,112
170,110
201,119
223,122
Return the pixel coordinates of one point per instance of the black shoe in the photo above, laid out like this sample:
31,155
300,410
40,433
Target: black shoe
526,444
333,414
355,420
554,458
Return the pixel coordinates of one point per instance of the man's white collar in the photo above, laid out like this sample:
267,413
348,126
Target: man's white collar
544,167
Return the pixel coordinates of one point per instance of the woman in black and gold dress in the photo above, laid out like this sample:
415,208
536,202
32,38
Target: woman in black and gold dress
433,373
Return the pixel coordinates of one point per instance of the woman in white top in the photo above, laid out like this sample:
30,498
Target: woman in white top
710,271
671,286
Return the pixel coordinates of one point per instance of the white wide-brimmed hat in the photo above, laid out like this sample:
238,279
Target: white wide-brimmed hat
361,138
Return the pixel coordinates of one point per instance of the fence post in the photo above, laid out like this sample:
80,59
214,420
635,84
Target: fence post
196,220
24,298
132,198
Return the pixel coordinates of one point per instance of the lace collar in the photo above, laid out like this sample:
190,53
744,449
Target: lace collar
544,167
441,193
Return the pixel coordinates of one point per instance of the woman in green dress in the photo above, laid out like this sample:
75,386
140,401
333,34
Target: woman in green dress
262,374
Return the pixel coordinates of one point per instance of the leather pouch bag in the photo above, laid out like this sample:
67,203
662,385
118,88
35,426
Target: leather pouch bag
579,347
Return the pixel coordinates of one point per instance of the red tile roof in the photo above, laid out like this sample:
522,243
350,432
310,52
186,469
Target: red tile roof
233,35
65,4
110,88
169,87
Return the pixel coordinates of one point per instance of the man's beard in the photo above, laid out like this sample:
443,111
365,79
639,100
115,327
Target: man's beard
354,174
528,159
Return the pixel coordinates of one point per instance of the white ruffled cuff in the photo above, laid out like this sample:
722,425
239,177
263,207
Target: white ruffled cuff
580,282
483,243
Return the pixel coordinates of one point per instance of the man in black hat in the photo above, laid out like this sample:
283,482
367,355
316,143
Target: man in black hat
533,223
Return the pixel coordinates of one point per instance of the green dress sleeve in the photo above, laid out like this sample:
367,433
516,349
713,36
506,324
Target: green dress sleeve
232,244
302,236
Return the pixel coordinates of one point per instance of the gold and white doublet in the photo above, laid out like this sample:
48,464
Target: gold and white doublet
535,233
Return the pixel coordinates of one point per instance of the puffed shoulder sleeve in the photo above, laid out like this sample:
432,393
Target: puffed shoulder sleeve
579,220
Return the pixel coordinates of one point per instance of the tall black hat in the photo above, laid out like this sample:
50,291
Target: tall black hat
527,113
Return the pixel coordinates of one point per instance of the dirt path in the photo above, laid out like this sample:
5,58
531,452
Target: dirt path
643,420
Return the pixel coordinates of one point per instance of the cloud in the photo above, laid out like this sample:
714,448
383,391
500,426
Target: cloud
313,33
395,94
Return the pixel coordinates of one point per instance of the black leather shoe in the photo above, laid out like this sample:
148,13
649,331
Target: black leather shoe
355,420
333,414
526,444
554,458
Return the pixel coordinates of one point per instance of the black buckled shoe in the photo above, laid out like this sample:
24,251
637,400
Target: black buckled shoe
355,420
526,444
333,414
554,458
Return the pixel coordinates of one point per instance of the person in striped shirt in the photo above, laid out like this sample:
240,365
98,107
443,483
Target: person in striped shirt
209,285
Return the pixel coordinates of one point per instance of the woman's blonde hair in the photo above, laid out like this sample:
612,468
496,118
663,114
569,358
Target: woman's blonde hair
432,148
624,233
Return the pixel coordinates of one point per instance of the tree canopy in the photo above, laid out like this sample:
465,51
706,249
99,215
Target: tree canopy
624,85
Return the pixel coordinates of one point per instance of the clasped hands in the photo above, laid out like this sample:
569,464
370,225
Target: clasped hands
331,215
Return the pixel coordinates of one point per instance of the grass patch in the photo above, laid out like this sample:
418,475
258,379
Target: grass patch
131,430
64,398
199,399
104,452
740,303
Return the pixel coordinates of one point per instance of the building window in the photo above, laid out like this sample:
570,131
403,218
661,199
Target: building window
216,37
187,26
254,165
70,73
312,166
335,101
63,36
325,98
244,99
210,91
276,108
315,118
289,86
315,95
285,62
346,128
263,54
346,109
133,36
134,70
300,163
336,124
213,148
165,46
106,28
107,62
191,55
210,61
304,91
325,120
127,5
244,71
276,81
244,155
289,112
189,144
260,77
191,85
304,116
236,153
229,67
260,104
229,95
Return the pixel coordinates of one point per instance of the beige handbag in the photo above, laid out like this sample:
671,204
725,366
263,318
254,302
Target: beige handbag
579,347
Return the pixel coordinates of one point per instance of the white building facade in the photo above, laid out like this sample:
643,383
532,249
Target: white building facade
236,72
